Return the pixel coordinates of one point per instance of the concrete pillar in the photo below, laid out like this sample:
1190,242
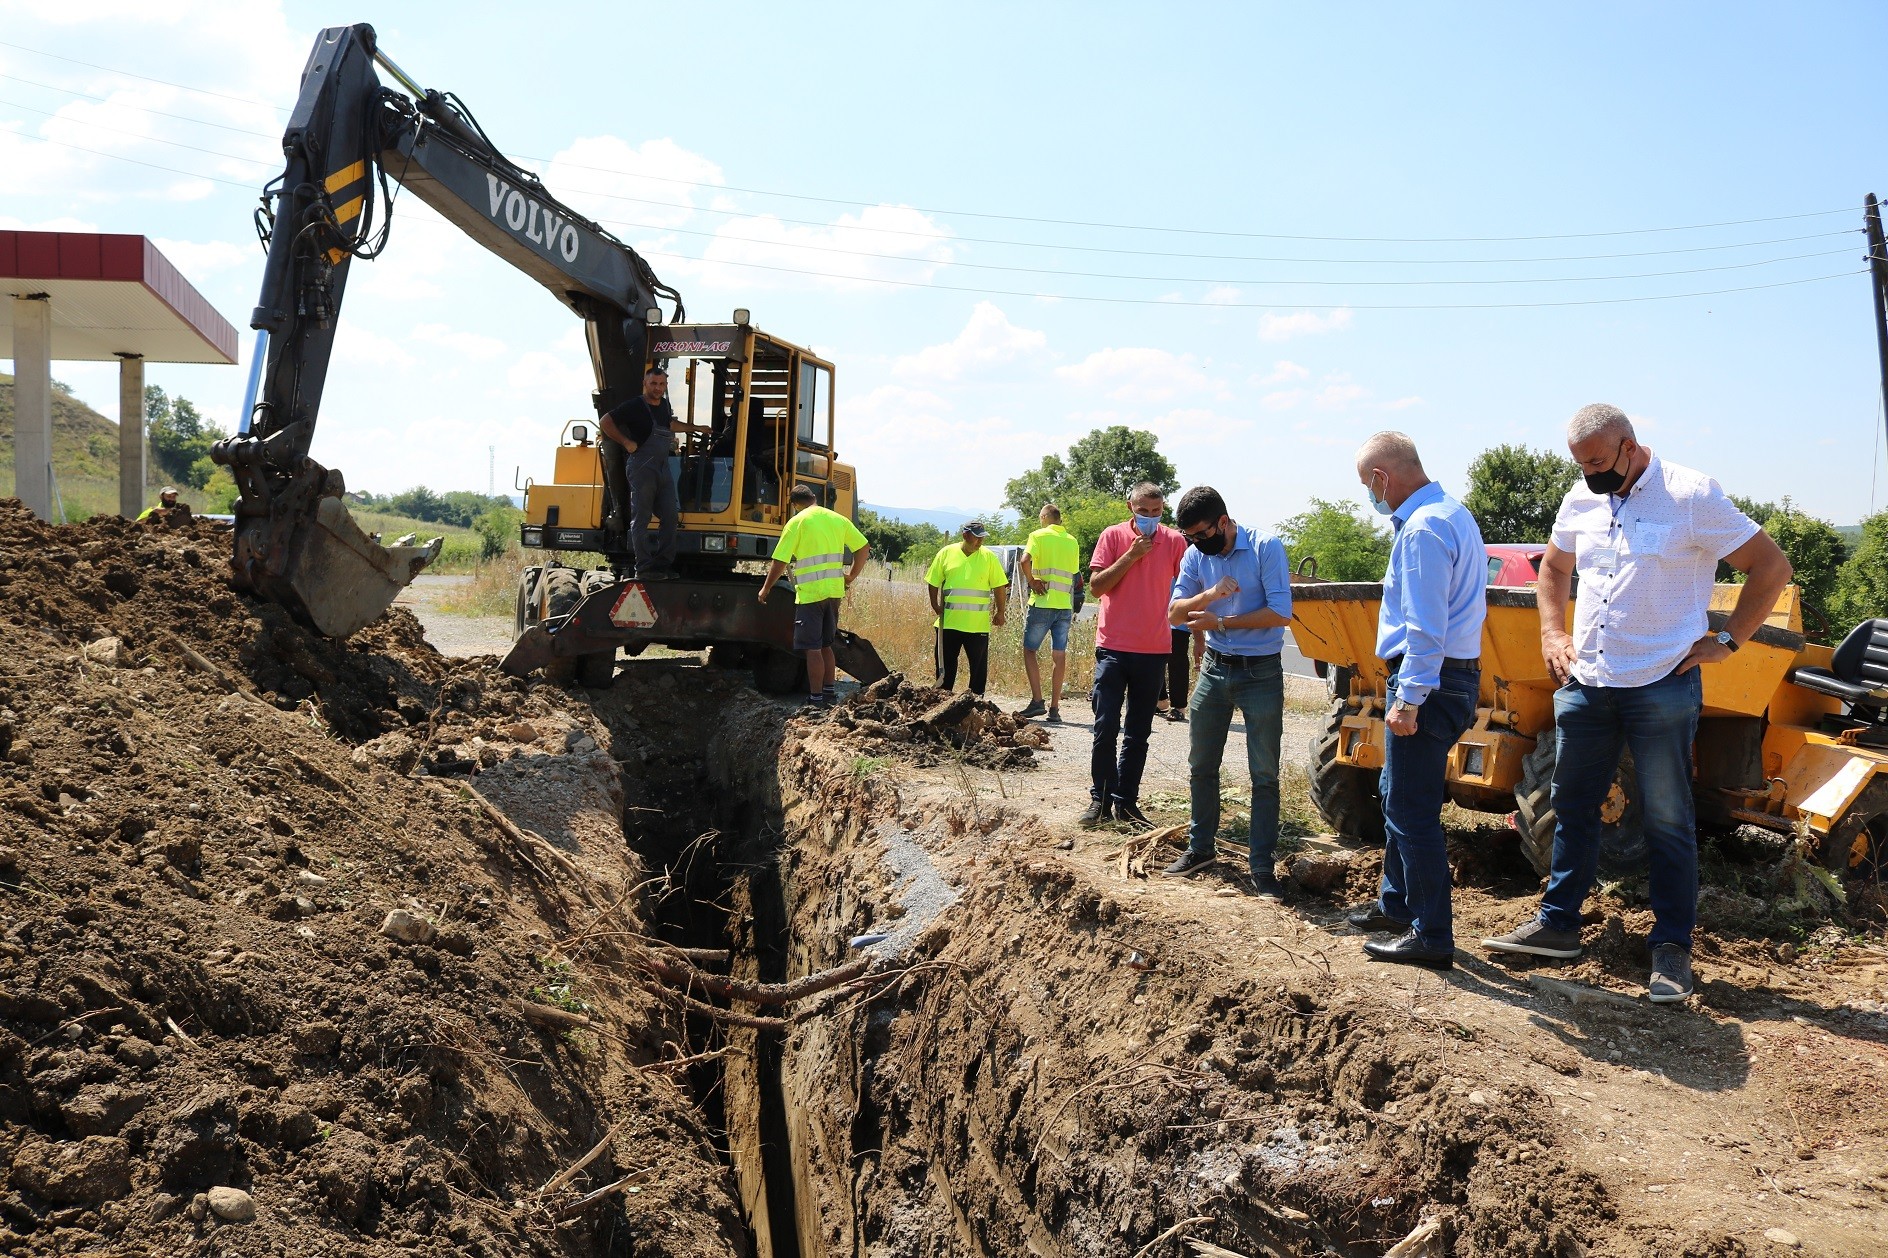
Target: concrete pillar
130,435
32,403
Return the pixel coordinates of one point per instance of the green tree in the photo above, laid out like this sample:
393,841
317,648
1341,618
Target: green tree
1861,590
1346,546
420,503
1514,492
1816,551
894,540
1048,482
1108,461
180,438
1113,460
1760,512
497,528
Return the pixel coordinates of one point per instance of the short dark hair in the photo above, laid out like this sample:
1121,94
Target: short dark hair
657,370
803,493
1200,505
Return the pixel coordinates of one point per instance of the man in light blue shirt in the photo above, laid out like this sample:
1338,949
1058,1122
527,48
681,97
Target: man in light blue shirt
1429,632
1235,584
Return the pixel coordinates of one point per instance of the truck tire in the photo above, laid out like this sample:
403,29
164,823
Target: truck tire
1622,828
597,670
563,590
524,612
778,672
1346,797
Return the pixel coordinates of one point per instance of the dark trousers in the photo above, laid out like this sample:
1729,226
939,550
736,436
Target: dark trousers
1658,721
1177,687
1135,677
1416,879
652,492
976,648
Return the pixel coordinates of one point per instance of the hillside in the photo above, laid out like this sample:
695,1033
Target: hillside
84,454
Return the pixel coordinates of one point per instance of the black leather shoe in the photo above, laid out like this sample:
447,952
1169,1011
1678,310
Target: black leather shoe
1266,887
1407,949
1371,919
1098,812
1132,814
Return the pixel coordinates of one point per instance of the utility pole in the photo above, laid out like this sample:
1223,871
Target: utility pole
491,452
1878,282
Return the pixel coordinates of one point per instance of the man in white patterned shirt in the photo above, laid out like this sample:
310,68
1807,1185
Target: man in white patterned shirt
1646,537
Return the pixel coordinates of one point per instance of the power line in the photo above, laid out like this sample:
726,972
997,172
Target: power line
119,157
1057,222
146,109
1247,305
147,139
951,237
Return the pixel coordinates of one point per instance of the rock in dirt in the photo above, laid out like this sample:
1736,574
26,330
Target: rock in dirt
407,927
107,651
232,1205
86,1172
1783,1237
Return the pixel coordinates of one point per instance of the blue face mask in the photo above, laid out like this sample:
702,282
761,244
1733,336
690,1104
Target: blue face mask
1382,507
1145,525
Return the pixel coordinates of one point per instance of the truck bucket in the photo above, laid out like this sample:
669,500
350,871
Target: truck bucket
333,575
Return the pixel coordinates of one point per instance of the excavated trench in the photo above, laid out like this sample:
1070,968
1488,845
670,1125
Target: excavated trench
1045,1068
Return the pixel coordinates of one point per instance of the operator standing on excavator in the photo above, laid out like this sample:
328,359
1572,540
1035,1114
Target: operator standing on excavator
645,427
814,544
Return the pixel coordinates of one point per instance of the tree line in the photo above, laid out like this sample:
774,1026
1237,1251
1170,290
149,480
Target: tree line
1514,493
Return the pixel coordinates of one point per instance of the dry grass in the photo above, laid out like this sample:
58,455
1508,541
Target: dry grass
896,617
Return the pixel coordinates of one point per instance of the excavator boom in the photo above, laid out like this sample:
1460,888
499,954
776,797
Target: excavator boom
346,139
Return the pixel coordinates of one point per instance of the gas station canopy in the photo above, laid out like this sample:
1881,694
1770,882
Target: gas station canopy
111,296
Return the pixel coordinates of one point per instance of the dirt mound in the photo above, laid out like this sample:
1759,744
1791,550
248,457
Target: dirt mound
921,724
281,918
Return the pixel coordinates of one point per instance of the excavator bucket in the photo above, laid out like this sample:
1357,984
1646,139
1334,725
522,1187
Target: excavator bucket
327,570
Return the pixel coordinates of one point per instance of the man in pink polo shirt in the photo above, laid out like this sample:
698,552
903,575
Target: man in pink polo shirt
1132,573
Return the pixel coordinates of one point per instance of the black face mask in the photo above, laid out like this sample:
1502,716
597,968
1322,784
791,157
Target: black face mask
1208,543
1609,481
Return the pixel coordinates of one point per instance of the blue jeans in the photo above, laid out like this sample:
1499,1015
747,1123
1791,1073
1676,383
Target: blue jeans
1658,722
1255,685
1415,853
1135,676
1049,622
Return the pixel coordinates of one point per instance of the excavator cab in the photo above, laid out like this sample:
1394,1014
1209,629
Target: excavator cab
753,418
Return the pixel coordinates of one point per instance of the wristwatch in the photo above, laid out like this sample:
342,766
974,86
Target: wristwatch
1726,640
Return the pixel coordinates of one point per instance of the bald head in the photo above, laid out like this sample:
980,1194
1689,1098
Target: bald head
1388,465
1391,452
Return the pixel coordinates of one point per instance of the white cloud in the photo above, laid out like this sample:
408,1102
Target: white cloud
1403,404
1340,394
988,340
1284,371
881,242
1221,295
1283,399
654,185
208,257
470,345
356,346
1276,327
1142,374
1195,426
911,448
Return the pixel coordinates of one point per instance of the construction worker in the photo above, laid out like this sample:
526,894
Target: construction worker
813,545
1050,558
969,593
645,428
167,508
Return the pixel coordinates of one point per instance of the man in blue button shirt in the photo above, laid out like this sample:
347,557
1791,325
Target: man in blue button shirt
1429,632
1235,585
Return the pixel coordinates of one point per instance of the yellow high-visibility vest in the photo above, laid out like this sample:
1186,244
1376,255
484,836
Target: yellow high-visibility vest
813,545
1053,557
968,583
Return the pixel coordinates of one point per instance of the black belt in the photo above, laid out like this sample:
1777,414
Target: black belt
1237,661
1448,661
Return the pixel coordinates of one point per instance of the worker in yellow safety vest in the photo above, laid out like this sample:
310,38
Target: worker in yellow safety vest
1051,559
969,593
813,546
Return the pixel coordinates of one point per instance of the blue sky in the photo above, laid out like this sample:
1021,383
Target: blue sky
953,142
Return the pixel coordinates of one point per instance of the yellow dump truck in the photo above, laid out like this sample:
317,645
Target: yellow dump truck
1792,737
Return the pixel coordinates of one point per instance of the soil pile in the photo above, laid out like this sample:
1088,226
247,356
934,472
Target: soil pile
302,943
921,724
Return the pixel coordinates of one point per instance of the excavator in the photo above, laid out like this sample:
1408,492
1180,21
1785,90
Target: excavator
756,413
